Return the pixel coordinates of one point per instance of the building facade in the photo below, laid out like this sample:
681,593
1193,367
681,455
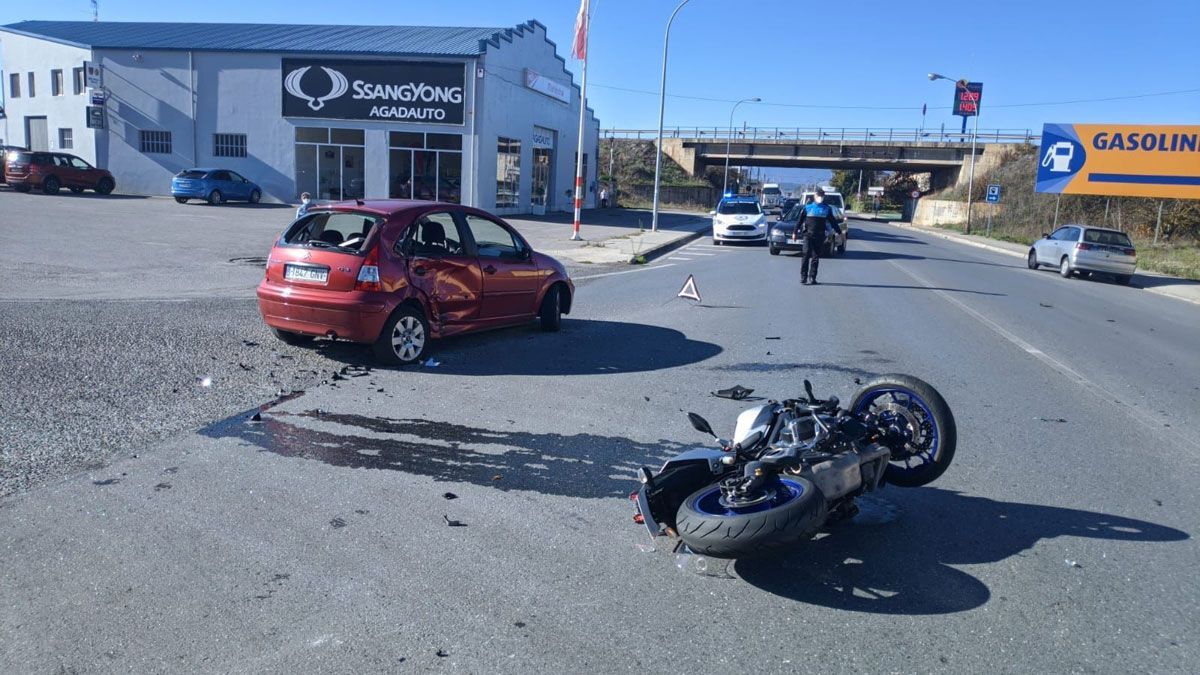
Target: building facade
488,117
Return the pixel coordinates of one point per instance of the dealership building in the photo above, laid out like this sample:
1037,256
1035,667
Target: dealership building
487,117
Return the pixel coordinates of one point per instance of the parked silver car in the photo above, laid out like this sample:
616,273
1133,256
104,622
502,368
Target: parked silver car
1081,250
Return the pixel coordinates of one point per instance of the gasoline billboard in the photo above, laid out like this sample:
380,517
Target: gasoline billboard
1129,160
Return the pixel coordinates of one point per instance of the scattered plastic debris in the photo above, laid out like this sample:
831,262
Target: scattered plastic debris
497,477
646,548
736,392
204,381
162,486
256,417
858,380
687,561
442,653
449,495
337,523
355,371
250,343
1072,563
647,398
774,337
453,523
107,481
1058,420
431,363
1158,502
244,366
1045,305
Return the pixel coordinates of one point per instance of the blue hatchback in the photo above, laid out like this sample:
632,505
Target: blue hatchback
214,186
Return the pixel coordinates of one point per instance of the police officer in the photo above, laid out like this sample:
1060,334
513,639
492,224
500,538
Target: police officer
818,219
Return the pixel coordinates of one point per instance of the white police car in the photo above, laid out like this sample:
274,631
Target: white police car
738,219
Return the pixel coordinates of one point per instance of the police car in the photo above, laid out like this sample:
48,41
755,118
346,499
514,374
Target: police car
738,219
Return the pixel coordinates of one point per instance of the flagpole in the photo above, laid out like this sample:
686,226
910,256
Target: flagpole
587,34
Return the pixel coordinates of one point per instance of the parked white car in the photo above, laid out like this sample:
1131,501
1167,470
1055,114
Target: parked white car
738,219
1079,250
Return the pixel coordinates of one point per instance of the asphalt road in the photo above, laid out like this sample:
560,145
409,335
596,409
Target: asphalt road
1061,540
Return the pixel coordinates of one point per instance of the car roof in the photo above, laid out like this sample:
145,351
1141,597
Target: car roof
387,207
1102,229
740,198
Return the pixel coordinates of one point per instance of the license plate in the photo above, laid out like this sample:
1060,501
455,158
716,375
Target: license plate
304,273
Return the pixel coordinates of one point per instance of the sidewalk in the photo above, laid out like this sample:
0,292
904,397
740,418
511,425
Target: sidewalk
1174,287
610,235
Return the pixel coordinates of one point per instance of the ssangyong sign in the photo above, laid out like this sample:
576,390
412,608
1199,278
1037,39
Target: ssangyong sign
403,91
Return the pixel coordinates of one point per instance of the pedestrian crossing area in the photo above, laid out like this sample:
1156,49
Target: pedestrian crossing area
703,250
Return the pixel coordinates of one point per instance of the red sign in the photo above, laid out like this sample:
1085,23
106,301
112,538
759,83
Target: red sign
967,98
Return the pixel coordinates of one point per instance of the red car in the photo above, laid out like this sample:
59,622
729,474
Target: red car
397,273
51,171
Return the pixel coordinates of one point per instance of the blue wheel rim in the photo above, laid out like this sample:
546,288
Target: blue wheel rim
930,451
708,502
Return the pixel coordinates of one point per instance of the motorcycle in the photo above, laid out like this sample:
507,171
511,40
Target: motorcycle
795,465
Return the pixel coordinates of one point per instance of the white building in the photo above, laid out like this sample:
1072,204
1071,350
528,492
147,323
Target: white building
485,116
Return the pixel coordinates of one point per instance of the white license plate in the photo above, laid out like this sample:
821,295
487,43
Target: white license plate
303,273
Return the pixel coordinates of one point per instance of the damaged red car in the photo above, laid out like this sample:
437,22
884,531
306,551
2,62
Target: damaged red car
397,274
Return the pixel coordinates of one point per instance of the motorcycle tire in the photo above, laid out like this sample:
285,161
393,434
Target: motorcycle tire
930,406
743,535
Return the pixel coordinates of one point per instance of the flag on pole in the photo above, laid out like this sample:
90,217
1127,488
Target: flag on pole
579,49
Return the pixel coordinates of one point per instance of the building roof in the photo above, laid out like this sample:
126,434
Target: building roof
258,37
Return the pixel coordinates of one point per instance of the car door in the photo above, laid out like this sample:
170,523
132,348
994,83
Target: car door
442,266
67,174
239,187
1049,249
220,181
510,276
85,174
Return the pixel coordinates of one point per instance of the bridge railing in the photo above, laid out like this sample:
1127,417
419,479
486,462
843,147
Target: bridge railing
837,134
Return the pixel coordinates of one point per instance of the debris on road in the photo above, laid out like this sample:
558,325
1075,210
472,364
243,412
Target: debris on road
1059,420
337,523
250,343
442,653
244,366
355,371
256,417
1072,563
431,363
736,392
1045,305
449,495
453,523
774,337
204,381
114,481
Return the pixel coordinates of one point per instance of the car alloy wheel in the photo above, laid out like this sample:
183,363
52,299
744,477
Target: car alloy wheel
215,197
1064,268
408,338
1031,261
255,196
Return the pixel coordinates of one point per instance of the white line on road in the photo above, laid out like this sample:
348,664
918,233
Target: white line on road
613,274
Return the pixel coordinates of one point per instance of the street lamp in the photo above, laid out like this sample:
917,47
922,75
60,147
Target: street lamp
729,138
971,173
662,101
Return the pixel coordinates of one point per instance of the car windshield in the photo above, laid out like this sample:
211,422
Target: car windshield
192,173
739,209
22,157
771,191
832,200
344,231
1107,238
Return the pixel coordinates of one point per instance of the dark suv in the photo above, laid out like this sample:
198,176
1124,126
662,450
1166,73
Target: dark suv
51,171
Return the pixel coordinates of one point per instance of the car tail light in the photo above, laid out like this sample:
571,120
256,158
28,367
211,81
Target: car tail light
1083,247
368,274
1129,251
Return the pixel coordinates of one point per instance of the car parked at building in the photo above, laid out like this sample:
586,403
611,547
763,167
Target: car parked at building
1079,250
215,186
7,152
738,219
52,171
396,274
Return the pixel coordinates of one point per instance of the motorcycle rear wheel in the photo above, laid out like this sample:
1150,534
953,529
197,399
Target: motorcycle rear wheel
714,530
923,416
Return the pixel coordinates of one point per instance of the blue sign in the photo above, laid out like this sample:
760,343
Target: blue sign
993,194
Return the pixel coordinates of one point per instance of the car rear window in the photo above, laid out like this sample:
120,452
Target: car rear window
22,157
1107,238
192,173
739,209
340,230
831,200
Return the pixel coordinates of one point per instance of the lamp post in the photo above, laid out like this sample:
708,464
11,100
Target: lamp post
729,138
974,134
662,101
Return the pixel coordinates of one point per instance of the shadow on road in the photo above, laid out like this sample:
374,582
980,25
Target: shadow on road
855,234
582,347
575,465
762,367
905,567
915,288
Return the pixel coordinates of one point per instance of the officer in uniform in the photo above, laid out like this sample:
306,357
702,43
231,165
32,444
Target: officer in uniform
818,219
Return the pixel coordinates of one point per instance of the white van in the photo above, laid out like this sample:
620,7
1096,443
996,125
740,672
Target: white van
771,196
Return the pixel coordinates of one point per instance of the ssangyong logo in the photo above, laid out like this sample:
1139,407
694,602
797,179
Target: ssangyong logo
338,81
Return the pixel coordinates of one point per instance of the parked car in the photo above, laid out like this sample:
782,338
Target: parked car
397,273
738,219
215,186
7,152
783,235
52,171
1081,250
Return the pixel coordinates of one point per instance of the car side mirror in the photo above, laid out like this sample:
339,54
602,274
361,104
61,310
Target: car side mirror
712,213
1045,235
700,424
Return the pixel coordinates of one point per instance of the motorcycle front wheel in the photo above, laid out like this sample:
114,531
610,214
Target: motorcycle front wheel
926,426
710,528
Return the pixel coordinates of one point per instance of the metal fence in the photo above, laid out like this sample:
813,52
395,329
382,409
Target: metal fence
834,134
701,195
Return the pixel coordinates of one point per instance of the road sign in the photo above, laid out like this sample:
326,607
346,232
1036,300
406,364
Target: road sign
95,117
915,194
1133,160
967,97
877,190
93,75
993,193
99,96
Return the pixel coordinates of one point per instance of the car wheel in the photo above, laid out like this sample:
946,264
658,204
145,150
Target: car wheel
292,338
774,249
77,190
1083,274
550,315
181,200
255,196
1123,279
50,185
1031,260
1064,267
215,197
403,338
716,242
105,186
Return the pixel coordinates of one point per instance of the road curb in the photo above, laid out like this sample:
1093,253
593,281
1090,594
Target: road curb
665,248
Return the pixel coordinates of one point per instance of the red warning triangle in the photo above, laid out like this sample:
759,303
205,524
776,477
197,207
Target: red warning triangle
689,289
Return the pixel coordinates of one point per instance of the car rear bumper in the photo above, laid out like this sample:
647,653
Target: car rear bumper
190,193
356,316
786,243
1106,265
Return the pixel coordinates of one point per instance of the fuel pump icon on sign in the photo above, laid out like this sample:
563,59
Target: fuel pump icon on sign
1058,157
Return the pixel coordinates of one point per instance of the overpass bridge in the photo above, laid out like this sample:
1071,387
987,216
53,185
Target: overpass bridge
940,153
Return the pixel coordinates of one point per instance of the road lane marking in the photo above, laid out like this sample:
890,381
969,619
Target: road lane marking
1088,385
613,274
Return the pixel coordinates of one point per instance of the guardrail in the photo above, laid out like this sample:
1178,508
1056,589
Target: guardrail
840,134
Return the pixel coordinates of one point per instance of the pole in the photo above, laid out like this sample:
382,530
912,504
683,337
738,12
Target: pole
971,175
662,102
579,177
728,140
1158,225
1106,203
1057,201
858,195
991,210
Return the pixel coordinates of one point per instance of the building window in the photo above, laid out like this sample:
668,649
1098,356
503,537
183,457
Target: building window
77,78
229,145
66,139
56,83
508,172
425,166
155,142
30,88
14,86
330,163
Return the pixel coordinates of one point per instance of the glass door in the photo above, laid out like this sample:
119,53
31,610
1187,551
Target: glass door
542,189
329,172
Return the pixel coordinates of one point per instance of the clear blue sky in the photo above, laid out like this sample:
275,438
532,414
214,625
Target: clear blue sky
868,53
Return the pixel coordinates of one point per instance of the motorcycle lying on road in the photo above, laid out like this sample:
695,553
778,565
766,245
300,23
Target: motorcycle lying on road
795,465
